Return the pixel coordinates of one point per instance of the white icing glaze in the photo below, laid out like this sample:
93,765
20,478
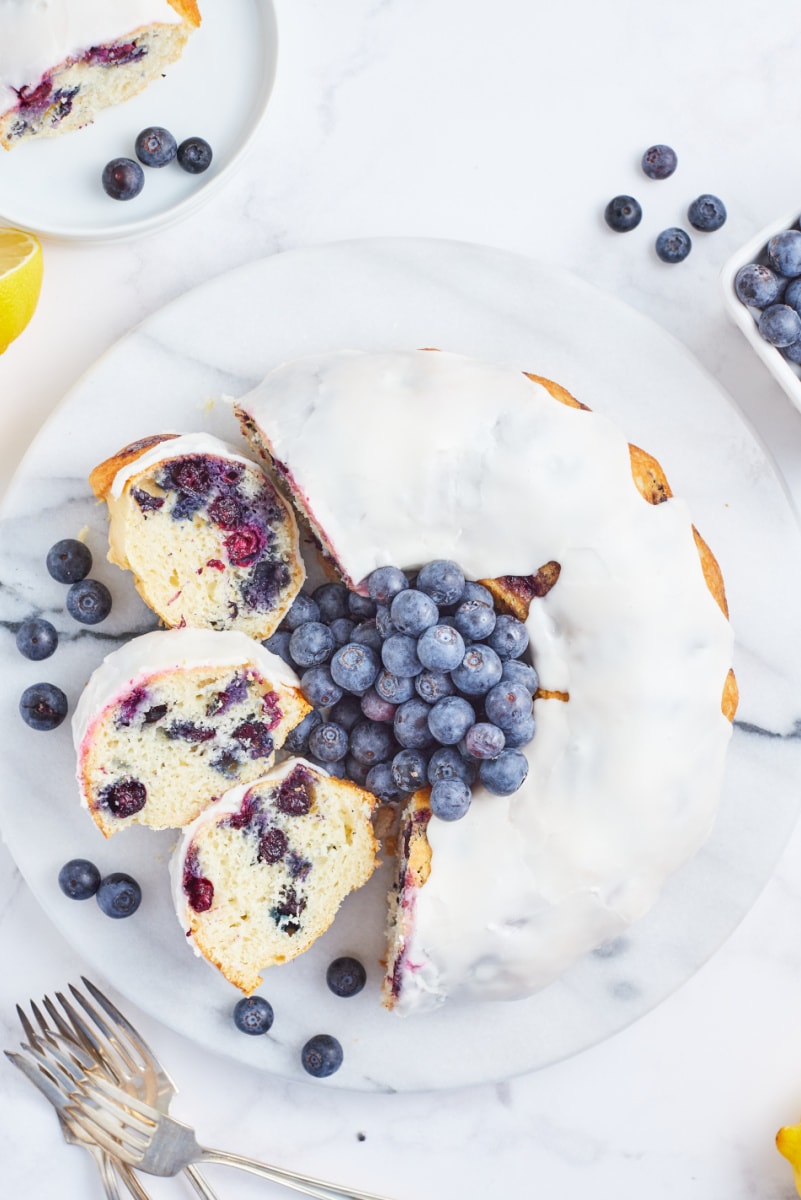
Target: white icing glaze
38,35
176,447
410,456
168,650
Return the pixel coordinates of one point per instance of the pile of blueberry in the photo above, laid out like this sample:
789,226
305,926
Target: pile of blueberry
117,894
772,287
123,178
419,684
706,213
43,706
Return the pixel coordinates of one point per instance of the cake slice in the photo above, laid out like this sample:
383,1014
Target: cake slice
167,723
210,542
62,61
260,875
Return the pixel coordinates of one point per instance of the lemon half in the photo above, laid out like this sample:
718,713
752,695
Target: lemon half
20,282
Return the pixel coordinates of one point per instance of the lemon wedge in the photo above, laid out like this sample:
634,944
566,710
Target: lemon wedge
20,282
788,1143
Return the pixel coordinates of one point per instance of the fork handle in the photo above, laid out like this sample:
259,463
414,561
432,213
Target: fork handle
305,1184
198,1181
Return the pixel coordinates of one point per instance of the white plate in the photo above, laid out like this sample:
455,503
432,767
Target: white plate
218,90
381,294
745,318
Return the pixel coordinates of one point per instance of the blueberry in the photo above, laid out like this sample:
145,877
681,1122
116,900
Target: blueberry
355,667
372,742
36,639
278,644
450,718
520,733
319,688
43,706
376,708
332,600
707,213
756,285
474,619
659,162
431,686
792,353
409,770
360,607
194,155
673,245
346,712
123,179
89,601
780,325
442,580
447,763
346,976
792,294
321,1056
367,634
155,147
69,560
119,895
623,213
484,740
357,771
297,740
394,688
384,583
503,775
450,799
328,742
411,724
479,670
477,591
440,648
784,253
253,1015
342,629
399,655
381,782
311,644
515,671
79,879
337,769
302,609
507,704
412,612
509,638
383,622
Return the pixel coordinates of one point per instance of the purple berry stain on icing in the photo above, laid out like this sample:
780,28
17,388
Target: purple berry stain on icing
124,798
294,796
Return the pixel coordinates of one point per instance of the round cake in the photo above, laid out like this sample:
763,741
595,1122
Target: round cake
405,457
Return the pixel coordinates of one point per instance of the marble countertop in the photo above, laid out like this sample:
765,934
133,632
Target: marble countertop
510,127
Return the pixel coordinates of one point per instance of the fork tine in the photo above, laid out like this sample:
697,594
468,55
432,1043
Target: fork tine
128,1109
62,1075
39,1078
30,1032
134,1037
105,1048
65,1029
114,1146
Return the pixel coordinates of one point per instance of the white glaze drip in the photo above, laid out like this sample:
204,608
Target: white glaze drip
405,457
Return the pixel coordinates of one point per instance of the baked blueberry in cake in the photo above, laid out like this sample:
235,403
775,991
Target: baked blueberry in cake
575,533
260,874
173,719
62,61
210,542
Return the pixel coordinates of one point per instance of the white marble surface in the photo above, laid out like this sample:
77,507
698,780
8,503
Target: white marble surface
511,127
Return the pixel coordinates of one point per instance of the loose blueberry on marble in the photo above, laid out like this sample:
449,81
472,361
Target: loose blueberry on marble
155,146
381,782
36,639
780,325
399,655
411,724
515,671
328,742
484,740
43,706
507,704
784,253
119,895
479,670
376,708
321,1056
303,608
450,799
412,612
433,685
440,648
503,775
372,742
410,770
69,560
384,583
194,155
253,1015
89,601
623,213
673,245
79,879
443,580
394,688
311,644
332,600
297,740
319,688
757,286
447,763
509,638
346,976
355,667
707,213
475,619
450,718
659,162
123,179
346,712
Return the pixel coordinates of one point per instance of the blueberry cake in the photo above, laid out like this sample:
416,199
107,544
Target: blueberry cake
260,875
173,719
210,542
62,61
578,534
